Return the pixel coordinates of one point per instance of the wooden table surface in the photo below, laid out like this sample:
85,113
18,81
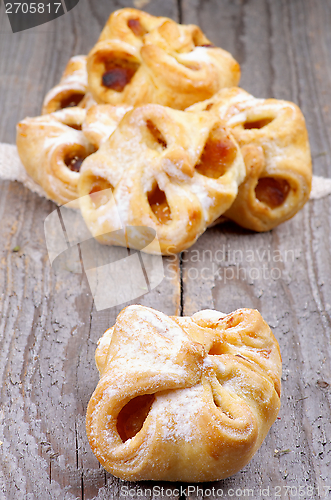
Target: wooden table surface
49,325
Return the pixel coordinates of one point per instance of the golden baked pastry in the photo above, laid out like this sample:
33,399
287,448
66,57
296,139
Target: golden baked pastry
72,89
142,59
101,120
274,142
52,149
183,398
130,26
163,169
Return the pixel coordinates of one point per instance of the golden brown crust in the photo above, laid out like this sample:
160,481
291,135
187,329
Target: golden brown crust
51,148
170,64
71,90
163,169
183,398
274,141
101,121
130,26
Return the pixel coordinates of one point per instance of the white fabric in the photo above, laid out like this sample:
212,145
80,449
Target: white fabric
11,169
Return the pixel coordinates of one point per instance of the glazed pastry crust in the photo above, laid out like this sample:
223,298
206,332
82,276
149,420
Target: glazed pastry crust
72,89
274,141
49,146
183,398
154,172
168,64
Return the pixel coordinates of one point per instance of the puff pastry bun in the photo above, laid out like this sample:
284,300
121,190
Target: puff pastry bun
72,90
274,142
52,148
142,59
183,398
164,169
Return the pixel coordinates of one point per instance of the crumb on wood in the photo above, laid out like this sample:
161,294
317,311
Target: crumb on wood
322,384
139,4
279,453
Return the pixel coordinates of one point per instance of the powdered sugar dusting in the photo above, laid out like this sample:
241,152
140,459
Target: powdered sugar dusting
162,323
203,196
237,119
209,314
177,410
147,351
198,54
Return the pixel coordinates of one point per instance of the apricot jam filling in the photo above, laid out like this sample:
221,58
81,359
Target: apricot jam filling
218,155
272,192
137,28
156,134
132,417
118,74
158,202
99,192
71,101
74,162
258,124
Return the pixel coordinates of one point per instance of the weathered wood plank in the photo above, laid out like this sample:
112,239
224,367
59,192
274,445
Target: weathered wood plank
282,48
49,334
49,325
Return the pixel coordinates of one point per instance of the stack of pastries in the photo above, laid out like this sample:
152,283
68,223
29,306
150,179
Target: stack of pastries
151,129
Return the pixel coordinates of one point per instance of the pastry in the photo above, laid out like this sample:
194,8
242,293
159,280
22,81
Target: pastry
72,89
130,26
163,169
52,149
183,398
160,62
101,120
274,142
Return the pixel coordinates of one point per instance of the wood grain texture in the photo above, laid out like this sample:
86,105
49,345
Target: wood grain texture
49,325
285,274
